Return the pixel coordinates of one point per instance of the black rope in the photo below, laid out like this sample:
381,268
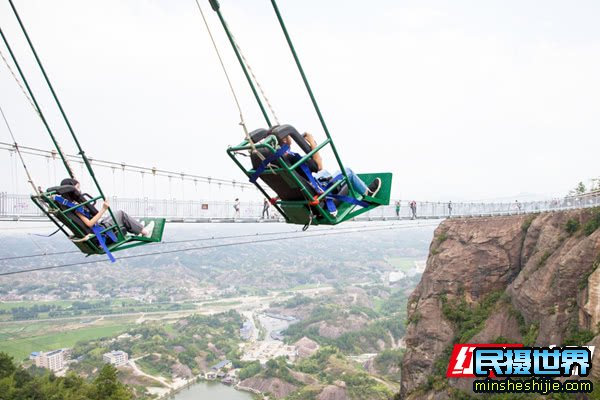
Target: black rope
204,248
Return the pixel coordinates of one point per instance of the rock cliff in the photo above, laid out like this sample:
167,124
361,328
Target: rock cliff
529,279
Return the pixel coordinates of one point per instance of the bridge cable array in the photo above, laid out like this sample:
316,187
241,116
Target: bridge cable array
197,248
208,239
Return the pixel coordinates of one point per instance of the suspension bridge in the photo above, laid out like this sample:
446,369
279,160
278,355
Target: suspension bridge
198,207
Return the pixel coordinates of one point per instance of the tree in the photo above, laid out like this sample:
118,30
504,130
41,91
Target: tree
106,386
580,188
6,365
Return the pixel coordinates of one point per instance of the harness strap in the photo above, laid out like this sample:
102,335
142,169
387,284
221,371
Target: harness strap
65,202
263,165
102,240
97,229
319,188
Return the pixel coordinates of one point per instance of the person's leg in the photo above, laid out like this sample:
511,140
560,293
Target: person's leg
357,184
130,224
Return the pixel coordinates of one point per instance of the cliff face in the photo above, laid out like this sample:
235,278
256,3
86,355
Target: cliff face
526,279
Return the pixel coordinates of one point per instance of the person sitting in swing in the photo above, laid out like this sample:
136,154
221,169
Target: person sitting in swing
125,222
315,164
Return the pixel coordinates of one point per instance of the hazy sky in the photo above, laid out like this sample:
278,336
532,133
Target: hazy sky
459,99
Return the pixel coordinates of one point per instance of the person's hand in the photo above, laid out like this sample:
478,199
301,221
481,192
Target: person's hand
106,204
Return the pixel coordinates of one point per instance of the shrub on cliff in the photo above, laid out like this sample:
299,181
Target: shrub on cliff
572,226
594,223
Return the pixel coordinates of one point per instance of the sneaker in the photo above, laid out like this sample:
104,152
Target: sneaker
147,232
374,187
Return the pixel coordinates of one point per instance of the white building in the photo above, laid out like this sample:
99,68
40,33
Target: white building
53,360
116,358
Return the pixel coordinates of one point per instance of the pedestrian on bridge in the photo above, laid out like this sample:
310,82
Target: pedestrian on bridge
398,208
413,209
236,207
266,206
450,209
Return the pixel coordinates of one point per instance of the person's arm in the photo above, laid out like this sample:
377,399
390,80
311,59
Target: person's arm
316,157
91,222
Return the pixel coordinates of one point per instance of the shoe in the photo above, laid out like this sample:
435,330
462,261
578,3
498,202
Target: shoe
374,187
147,233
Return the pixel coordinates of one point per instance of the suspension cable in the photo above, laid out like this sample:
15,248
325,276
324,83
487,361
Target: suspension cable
36,107
19,83
297,231
58,103
242,122
67,122
258,85
157,253
128,167
216,7
29,178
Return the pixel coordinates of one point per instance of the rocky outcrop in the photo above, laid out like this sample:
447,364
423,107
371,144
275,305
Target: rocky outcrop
333,392
333,329
306,347
276,387
182,371
544,280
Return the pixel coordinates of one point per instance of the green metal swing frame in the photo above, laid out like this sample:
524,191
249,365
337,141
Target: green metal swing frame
45,201
309,211
85,241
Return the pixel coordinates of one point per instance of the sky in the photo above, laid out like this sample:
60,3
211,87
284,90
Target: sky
460,100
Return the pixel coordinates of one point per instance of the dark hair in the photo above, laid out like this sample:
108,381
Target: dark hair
69,181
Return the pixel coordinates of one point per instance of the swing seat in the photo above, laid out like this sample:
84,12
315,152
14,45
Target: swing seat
301,199
60,204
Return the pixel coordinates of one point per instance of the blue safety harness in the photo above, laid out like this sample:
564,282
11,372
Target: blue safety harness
319,187
97,229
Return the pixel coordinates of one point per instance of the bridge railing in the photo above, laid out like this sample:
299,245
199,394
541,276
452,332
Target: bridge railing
15,206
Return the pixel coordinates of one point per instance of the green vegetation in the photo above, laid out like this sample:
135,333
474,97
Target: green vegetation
544,258
27,310
527,223
572,226
577,336
441,238
20,344
248,371
389,360
329,365
594,222
154,365
297,300
377,324
530,334
468,319
17,383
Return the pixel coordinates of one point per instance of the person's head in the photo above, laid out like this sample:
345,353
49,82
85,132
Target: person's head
71,182
237,199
